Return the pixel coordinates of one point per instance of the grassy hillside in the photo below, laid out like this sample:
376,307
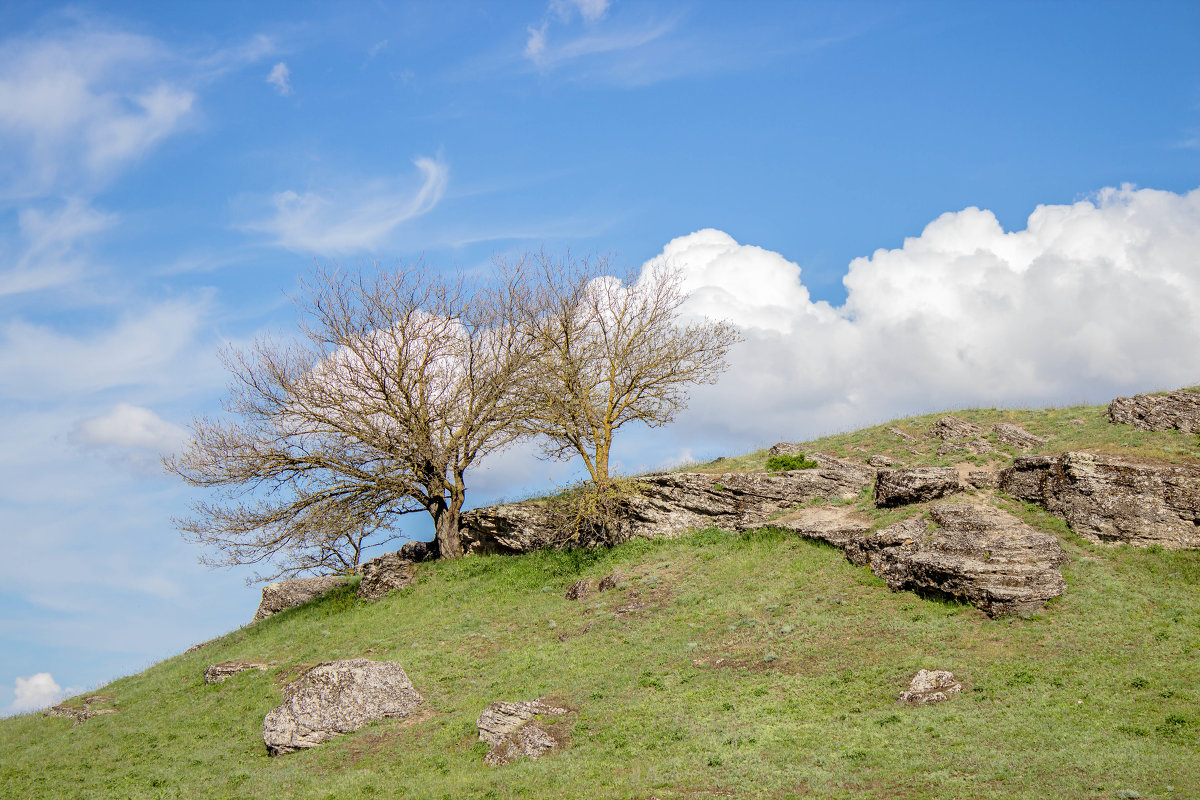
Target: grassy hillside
761,665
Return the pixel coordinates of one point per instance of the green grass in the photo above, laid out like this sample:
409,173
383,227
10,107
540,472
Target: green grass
1072,428
763,665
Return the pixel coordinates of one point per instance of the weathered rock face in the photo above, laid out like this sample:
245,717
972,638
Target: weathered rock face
1016,436
337,697
1178,411
1112,499
671,504
383,574
981,554
983,478
898,487
514,730
288,594
931,686
418,551
953,429
219,673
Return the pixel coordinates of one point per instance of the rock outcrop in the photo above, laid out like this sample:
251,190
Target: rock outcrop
670,504
282,595
219,673
1016,436
953,429
899,487
337,697
931,686
1178,411
384,574
418,551
1113,499
517,730
92,706
980,554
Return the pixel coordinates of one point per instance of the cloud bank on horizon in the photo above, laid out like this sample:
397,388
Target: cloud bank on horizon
1089,300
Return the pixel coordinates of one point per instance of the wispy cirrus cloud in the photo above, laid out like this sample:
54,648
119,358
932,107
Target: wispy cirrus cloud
281,78
351,218
78,106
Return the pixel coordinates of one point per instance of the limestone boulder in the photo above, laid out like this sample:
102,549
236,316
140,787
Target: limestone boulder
338,697
899,487
520,730
671,504
219,673
283,595
980,554
1113,499
1016,436
953,429
387,573
1178,411
931,686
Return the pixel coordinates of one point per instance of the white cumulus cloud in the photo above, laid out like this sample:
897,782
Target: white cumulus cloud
128,426
37,692
1089,300
281,78
355,218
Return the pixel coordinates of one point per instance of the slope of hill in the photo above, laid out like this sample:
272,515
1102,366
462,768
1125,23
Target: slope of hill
722,665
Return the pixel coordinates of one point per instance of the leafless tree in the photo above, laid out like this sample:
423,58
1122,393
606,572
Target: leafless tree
612,350
400,382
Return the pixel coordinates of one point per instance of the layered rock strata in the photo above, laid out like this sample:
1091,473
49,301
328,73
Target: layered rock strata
1178,411
670,504
337,697
980,554
1112,499
515,730
898,487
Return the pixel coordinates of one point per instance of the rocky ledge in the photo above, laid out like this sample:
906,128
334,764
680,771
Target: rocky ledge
1178,411
1112,499
980,554
670,504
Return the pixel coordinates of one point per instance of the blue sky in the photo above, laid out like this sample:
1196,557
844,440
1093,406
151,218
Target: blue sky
906,206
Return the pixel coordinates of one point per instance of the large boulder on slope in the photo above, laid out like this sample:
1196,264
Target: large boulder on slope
1178,411
1113,499
282,595
337,697
980,554
384,574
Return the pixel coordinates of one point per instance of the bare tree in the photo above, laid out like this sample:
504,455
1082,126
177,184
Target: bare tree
400,382
612,350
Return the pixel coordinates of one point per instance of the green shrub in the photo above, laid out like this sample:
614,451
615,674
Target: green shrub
782,463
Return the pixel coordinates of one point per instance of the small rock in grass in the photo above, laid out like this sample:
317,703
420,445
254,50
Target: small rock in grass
609,581
931,686
218,673
579,589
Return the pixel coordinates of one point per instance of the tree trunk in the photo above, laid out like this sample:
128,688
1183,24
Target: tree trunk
445,525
